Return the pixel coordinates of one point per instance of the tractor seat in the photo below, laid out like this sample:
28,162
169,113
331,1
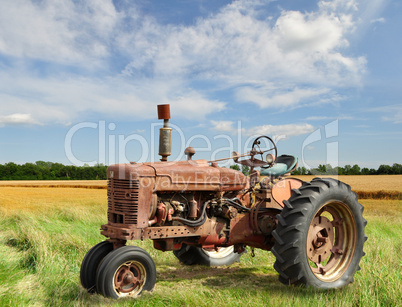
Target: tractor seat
283,164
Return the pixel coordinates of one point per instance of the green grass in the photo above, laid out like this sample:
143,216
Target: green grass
41,254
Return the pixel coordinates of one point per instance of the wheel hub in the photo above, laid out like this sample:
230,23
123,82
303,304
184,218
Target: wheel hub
320,239
129,277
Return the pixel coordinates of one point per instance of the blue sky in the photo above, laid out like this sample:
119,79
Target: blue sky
80,80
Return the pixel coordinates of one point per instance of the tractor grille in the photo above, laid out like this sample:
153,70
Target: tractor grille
122,196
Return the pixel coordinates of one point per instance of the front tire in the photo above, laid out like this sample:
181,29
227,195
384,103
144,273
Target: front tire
320,235
192,255
126,272
90,264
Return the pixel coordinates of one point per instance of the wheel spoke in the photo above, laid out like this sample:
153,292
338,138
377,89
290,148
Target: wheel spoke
119,280
326,241
321,211
337,223
321,268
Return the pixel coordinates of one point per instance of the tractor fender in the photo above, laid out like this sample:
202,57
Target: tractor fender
282,189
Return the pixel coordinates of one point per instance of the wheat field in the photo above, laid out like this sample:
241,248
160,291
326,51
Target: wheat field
366,183
357,182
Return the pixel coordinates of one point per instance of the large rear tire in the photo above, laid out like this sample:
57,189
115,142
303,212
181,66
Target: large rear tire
191,255
320,235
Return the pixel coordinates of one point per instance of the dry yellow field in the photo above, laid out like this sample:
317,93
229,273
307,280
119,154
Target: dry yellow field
101,184
358,182
25,195
367,183
31,199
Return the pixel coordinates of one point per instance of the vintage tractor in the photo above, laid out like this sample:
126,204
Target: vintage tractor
208,215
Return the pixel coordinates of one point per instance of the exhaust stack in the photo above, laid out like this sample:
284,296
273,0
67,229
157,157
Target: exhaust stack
165,133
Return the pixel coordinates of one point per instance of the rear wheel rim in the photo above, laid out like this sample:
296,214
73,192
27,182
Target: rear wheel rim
331,241
220,253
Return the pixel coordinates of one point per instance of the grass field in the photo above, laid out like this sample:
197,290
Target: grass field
46,232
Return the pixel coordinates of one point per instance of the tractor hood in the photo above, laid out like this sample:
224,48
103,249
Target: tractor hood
196,175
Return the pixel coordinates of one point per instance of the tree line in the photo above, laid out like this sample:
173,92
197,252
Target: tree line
327,169
41,170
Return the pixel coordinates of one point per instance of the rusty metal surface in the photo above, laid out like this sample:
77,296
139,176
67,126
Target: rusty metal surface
165,133
210,228
136,213
189,152
165,142
194,175
163,111
331,241
241,232
129,202
282,190
129,278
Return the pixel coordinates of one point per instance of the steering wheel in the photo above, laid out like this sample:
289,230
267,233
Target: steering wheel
257,143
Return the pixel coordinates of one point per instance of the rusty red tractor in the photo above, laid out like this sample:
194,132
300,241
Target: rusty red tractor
208,215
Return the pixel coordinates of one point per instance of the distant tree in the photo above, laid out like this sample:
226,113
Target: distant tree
322,168
373,171
339,170
297,171
355,170
245,170
10,171
51,171
365,171
397,169
346,169
384,170
235,167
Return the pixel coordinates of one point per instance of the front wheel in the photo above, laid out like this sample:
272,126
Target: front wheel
90,264
190,255
320,235
126,272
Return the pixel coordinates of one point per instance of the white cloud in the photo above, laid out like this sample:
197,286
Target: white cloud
57,31
331,118
379,20
237,50
318,118
283,131
223,125
18,119
336,5
66,99
127,62
394,114
369,14
313,32
266,97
